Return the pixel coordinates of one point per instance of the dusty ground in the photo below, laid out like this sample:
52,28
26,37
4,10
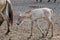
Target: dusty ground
23,31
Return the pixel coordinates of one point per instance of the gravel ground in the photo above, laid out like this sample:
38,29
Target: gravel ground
22,32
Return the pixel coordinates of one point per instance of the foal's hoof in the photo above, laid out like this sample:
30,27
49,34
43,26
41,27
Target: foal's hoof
43,36
51,37
29,37
6,33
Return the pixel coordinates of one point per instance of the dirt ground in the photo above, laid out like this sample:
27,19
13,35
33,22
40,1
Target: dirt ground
22,32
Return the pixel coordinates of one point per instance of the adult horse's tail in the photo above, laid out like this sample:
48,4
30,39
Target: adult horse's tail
8,13
10,20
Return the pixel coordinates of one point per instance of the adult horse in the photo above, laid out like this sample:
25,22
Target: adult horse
48,1
6,13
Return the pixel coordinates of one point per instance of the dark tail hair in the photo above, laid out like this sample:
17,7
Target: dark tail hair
10,12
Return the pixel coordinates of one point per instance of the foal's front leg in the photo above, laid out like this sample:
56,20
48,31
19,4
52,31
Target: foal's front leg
49,25
32,22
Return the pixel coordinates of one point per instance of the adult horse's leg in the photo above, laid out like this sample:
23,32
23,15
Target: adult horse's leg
8,30
54,1
36,0
10,18
48,0
40,0
1,19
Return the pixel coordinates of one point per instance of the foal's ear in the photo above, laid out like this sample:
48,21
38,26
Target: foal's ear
28,11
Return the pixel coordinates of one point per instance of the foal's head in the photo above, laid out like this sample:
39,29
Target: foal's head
20,19
23,16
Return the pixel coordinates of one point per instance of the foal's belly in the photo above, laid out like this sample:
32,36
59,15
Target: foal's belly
37,16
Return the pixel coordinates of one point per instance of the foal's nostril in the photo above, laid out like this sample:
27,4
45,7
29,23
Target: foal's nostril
17,23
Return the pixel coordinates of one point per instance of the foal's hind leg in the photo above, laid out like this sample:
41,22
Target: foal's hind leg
51,30
8,30
47,29
39,28
41,32
49,25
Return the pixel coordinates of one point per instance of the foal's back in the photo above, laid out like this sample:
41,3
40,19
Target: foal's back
41,12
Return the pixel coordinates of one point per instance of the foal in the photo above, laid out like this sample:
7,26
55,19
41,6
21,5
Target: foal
40,13
6,13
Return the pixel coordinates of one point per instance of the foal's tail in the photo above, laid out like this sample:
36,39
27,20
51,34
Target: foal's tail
10,13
